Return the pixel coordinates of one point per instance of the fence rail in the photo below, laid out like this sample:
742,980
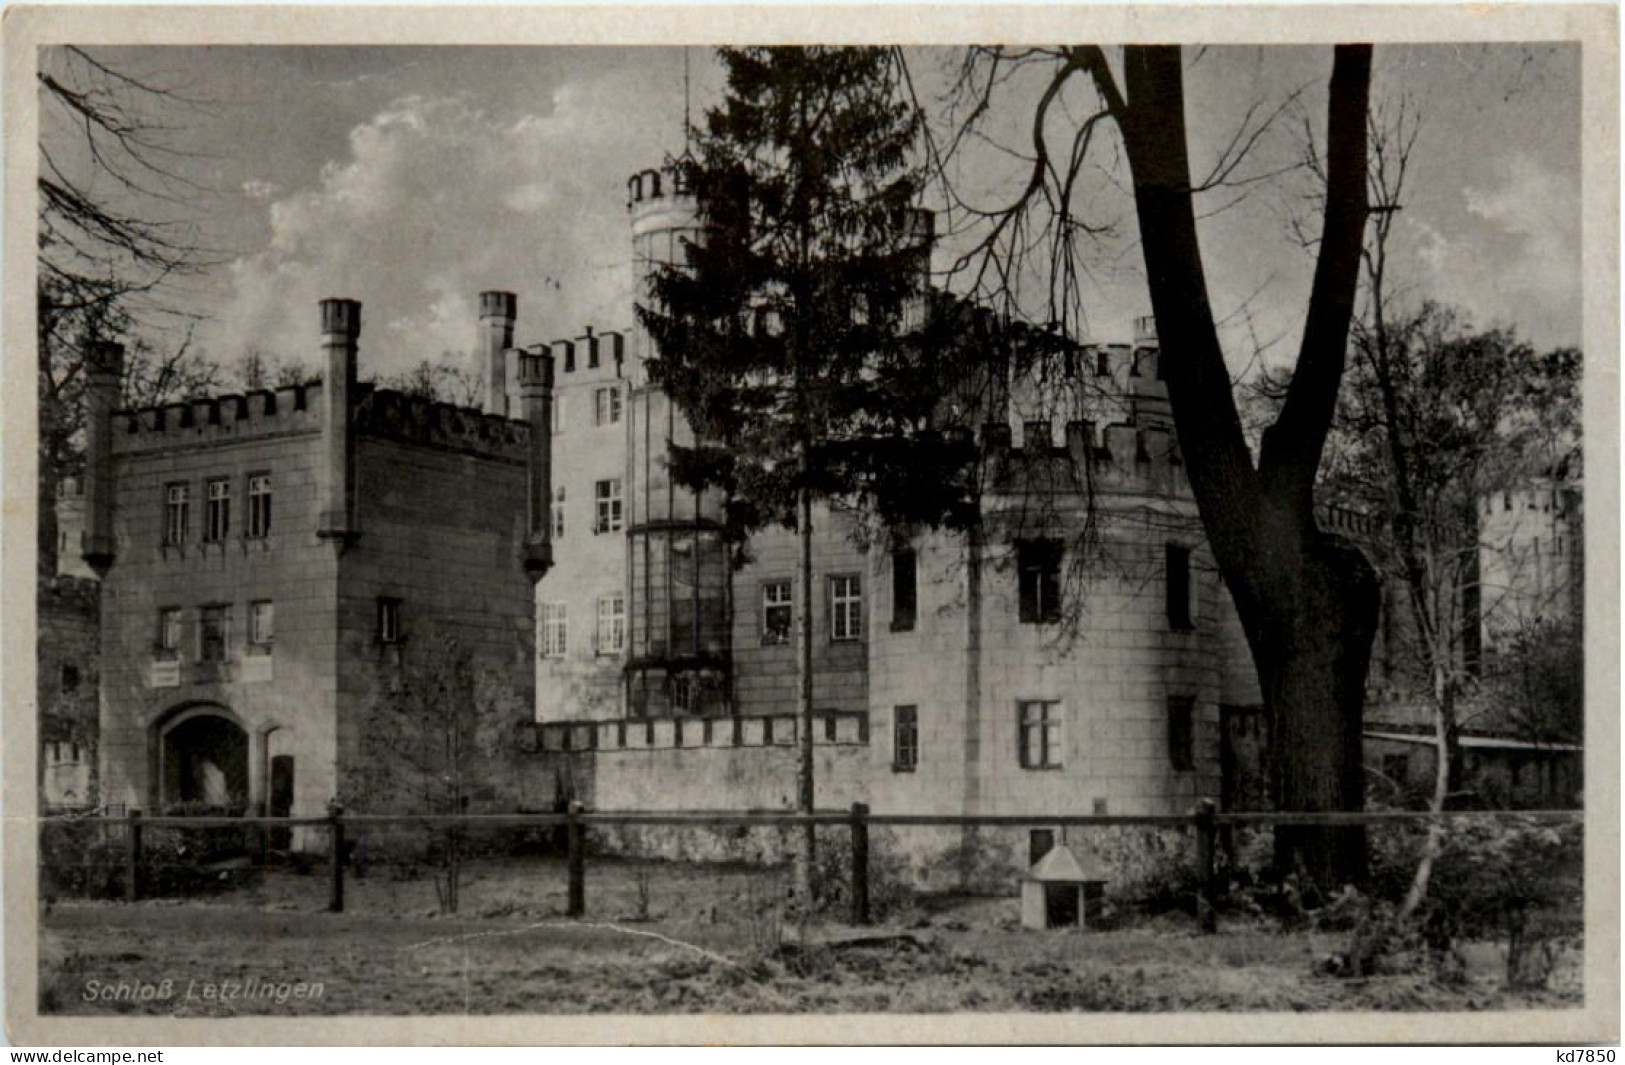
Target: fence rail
1205,821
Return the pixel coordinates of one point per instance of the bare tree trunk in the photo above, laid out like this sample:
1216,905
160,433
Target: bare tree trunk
1443,761
1307,602
806,852
1312,660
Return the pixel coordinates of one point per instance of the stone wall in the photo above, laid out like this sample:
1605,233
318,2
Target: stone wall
283,695
441,536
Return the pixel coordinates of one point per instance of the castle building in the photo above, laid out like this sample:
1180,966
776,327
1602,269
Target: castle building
269,560
273,564
1006,676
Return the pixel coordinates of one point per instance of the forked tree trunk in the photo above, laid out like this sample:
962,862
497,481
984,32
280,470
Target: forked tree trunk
1307,602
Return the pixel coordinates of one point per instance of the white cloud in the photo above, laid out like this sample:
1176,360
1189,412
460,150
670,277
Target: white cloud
1512,256
436,201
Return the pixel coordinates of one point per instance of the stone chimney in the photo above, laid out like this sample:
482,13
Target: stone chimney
536,393
105,371
341,328
498,311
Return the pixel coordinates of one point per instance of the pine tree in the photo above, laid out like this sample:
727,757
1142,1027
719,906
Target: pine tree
794,333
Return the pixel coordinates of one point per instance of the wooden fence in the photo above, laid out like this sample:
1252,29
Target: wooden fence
1205,821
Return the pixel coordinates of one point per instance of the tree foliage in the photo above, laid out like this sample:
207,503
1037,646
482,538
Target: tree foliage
794,334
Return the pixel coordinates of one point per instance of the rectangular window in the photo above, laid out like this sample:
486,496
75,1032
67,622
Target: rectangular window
905,739
777,612
607,495
261,623
558,513
1182,732
259,505
177,513
903,590
169,629
1040,841
845,608
1038,579
558,414
1103,363
606,405
555,630
70,679
1039,734
218,515
389,620
611,624
1178,567
214,633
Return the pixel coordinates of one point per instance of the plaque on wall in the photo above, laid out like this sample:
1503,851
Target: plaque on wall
164,673
256,668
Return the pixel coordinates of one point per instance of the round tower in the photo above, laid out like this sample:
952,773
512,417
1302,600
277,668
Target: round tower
679,660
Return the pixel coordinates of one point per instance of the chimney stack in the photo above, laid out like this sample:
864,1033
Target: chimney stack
536,393
498,311
105,371
341,328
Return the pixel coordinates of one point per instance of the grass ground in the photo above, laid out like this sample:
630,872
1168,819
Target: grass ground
674,938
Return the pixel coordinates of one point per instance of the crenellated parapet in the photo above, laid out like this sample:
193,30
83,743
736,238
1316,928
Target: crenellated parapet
220,419
390,415
296,409
1121,457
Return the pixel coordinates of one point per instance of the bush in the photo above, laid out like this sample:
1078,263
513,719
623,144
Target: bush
890,895
88,858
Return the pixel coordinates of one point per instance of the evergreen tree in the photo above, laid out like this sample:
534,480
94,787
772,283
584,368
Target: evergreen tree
794,334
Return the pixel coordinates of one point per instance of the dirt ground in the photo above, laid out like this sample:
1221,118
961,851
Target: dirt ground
678,938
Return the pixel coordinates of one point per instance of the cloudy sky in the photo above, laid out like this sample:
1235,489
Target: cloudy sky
413,178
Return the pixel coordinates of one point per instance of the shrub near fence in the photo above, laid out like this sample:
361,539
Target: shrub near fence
1510,871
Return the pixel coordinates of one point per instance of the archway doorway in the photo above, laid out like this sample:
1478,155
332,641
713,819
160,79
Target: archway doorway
205,763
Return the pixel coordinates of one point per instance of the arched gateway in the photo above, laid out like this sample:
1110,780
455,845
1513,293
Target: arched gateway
203,760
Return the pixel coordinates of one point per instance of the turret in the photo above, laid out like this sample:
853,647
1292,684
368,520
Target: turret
536,394
498,311
341,329
106,369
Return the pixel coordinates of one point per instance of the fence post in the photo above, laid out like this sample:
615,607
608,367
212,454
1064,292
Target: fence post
860,863
132,858
335,855
577,856
1206,833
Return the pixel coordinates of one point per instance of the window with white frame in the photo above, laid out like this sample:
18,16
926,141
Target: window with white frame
845,608
177,512
606,405
558,513
778,612
611,624
217,518
259,505
261,623
1039,733
555,630
607,496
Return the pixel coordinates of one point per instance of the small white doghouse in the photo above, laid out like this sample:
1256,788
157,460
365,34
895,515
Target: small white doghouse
1059,891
